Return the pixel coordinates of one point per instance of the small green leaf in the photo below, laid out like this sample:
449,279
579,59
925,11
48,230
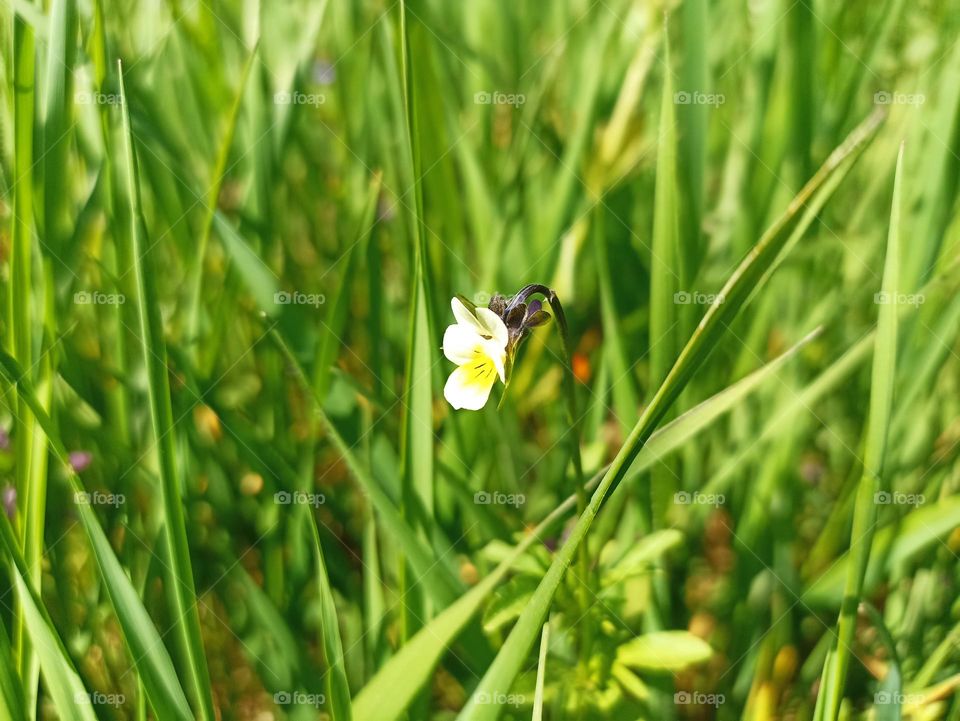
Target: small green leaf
664,651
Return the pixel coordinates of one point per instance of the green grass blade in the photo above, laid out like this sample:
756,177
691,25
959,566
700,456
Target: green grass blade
20,331
745,280
434,575
12,703
180,573
61,679
337,316
871,483
338,690
56,120
669,261
218,175
388,694
145,645
416,433
541,674
260,280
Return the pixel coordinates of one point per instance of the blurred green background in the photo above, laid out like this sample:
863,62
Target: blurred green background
233,485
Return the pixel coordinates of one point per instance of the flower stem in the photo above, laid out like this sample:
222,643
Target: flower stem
583,562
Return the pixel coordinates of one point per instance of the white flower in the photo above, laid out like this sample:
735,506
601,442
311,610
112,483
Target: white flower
478,345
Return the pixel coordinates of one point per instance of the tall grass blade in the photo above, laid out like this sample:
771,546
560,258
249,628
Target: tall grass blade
179,575
338,690
872,481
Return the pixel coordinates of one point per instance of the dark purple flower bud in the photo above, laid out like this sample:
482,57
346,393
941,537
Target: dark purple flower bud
498,304
535,306
9,497
536,319
80,460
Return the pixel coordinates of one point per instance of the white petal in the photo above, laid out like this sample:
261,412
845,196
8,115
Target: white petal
461,344
498,354
494,326
469,386
465,317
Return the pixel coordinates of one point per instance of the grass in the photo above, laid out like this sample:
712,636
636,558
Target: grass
722,482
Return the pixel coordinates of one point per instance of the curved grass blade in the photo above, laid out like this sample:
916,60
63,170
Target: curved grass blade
746,279
878,423
180,572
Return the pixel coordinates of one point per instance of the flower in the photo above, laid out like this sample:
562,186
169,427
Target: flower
478,345
9,499
80,460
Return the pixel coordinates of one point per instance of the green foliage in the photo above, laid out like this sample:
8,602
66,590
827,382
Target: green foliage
234,487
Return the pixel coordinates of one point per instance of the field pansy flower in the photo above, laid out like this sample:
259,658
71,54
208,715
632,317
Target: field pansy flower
478,345
484,342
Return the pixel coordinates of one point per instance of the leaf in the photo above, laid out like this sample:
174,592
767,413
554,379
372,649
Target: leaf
641,556
664,651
